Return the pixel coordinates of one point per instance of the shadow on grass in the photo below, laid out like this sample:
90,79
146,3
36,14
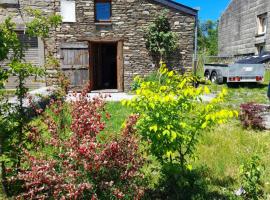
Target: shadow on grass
194,184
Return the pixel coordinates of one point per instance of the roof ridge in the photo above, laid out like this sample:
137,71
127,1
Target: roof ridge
178,6
227,7
175,2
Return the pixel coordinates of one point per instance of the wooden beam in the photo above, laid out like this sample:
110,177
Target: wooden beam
74,45
120,67
91,65
100,40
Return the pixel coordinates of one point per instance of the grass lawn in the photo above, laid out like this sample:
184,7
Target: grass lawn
119,114
226,147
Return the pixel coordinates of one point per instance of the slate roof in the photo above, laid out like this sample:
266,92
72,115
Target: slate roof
265,57
178,6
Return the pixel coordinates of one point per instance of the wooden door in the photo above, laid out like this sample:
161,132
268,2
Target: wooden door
75,63
93,62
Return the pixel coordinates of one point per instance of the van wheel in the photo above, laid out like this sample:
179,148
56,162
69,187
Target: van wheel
207,75
214,77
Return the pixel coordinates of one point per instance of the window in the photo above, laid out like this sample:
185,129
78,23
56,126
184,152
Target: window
260,48
68,11
28,42
103,10
9,2
32,52
262,24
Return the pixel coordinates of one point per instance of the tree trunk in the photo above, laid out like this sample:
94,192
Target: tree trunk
3,169
21,114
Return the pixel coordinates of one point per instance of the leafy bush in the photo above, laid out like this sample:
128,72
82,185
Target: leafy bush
70,162
251,175
173,116
251,115
160,40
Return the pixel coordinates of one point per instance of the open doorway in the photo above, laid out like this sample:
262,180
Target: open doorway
104,57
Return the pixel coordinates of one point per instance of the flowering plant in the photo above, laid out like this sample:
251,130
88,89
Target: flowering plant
71,162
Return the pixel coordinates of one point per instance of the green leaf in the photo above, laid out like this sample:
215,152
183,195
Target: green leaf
152,105
173,135
204,125
154,128
166,132
4,158
189,167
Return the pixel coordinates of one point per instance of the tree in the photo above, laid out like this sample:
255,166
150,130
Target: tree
160,40
173,116
13,120
208,37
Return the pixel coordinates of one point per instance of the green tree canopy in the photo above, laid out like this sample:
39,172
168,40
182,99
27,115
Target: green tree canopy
208,37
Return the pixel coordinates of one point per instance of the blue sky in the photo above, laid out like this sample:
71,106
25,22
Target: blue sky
209,9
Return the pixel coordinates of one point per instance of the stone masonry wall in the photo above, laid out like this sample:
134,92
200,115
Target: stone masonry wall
238,27
130,19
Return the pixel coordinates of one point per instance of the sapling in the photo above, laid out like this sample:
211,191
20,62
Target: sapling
14,124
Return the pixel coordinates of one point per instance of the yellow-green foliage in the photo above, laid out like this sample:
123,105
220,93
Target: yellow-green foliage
173,115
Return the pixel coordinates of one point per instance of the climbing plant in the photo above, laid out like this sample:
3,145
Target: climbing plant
160,40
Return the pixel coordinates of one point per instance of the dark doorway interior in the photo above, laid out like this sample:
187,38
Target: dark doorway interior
104,66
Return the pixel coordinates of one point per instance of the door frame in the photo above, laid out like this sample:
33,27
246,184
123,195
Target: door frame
119,62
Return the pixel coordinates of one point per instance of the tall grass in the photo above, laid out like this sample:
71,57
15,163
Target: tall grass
226,147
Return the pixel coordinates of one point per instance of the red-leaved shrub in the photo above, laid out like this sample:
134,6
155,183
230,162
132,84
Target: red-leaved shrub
251,115
72,163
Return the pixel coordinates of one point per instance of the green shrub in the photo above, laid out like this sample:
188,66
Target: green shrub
152,77
173,116
251,177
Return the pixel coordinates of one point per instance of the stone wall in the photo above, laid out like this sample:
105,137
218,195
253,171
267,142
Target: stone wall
238,27
130,19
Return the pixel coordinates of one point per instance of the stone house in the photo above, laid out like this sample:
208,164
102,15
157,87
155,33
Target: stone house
244,28
103,40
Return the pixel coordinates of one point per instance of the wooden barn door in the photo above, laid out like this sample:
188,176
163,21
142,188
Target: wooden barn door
94,47
75,63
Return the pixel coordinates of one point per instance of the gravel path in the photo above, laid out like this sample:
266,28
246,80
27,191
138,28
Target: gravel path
114,96
109,96
124,96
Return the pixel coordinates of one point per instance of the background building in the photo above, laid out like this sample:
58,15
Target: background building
244,28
